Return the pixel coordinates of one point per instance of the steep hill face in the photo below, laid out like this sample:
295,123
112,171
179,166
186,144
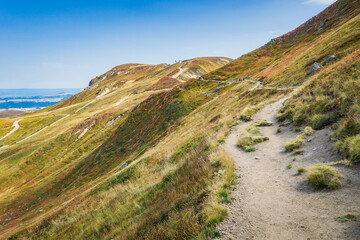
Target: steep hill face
48,149
137,154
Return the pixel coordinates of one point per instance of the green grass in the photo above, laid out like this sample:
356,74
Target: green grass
308,131
346,218
301,170
332,98
262,123
295,144
171,192
289,166
322,176
252,136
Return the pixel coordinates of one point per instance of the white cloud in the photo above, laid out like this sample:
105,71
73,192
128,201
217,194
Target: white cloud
319,2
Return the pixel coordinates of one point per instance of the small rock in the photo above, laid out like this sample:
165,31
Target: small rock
124,166
329,59
269,123
257,158
286,124
316,66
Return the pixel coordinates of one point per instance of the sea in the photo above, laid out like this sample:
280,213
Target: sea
33,99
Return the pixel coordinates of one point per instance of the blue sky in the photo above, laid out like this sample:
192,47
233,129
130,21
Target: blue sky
63,44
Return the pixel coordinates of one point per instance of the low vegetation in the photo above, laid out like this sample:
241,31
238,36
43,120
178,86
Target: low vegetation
60,186
301,170
295,143
322,176
346,218
308,131
332,98
252,136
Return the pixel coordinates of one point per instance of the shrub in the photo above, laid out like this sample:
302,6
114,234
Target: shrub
246,143
289,166
298,152
299,117
301,170
346,218
253,129
350,147
318,121
263,123
295,143
249,149
308,131
322,176
283,115
354,149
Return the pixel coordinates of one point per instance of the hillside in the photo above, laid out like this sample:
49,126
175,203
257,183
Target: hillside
149,151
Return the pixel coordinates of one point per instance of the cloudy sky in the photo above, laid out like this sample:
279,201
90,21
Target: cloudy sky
63,44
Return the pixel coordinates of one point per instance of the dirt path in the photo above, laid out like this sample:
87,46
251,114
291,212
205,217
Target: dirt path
16,126
181,71
272,202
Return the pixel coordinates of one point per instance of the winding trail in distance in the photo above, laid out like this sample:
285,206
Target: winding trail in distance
16,126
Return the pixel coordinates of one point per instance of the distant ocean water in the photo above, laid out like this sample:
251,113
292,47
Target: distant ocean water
27,99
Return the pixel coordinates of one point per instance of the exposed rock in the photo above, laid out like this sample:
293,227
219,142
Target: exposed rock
102,92
329,59
136,107
322,23
220,87
269,123
214,119
316,66
124,166
112,121
286,124
245,118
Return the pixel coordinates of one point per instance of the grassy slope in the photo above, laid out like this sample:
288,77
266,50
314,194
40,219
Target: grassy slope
170,175
332,98
172,187
32,170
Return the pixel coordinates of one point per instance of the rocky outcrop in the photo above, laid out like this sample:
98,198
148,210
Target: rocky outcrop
316,66
329,59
